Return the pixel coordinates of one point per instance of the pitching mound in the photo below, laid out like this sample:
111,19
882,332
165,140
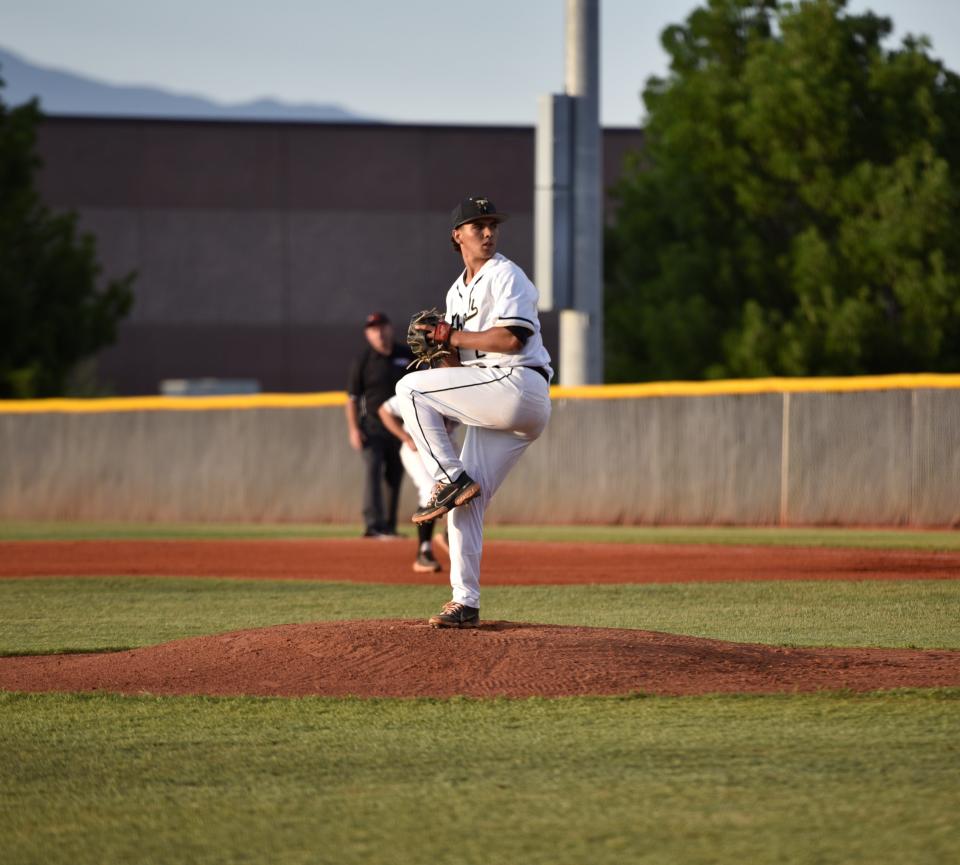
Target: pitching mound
402,658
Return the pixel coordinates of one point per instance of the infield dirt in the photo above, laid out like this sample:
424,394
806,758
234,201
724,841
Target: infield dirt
403,658
504,562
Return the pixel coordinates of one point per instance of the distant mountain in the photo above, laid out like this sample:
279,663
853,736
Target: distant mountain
63,93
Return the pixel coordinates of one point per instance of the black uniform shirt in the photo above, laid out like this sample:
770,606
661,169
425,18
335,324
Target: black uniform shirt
373,380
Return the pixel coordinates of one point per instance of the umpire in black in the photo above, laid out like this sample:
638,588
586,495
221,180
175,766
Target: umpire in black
373,380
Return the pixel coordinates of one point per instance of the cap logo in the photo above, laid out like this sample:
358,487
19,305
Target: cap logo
474,209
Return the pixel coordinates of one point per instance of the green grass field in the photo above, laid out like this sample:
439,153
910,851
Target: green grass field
904,539
55,614
823,778
813,779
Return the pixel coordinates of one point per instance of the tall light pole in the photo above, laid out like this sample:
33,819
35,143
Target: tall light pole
569,201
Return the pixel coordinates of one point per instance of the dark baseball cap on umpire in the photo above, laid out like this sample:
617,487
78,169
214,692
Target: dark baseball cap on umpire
375,319
475,207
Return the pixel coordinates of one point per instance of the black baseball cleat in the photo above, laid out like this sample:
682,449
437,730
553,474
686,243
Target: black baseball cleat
447,496
426,563
454,615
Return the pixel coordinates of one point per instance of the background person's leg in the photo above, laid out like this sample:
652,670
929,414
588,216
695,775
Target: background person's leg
373,514
418,474
393,476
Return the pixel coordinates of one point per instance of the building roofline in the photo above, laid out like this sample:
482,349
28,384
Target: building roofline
298,124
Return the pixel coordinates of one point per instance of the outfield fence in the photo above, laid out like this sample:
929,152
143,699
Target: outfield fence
879,451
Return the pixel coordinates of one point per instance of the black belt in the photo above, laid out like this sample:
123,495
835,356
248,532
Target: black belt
541,371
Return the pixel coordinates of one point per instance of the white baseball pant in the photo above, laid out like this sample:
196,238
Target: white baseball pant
418,474
504,409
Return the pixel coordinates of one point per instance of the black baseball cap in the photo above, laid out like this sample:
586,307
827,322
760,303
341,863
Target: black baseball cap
473,208
375,319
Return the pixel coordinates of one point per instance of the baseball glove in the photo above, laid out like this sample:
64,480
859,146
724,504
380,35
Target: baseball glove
428,336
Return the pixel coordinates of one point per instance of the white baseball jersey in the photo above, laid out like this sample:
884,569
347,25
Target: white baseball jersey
499,295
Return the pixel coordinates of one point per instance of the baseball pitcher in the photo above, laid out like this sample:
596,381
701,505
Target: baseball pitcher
487,368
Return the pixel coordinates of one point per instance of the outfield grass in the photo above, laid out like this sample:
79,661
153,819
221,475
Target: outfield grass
813,779
731,535
91,614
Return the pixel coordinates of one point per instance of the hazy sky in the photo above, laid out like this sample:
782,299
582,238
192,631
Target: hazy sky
430,61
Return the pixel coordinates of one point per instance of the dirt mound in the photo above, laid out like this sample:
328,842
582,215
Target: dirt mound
403,658
504,562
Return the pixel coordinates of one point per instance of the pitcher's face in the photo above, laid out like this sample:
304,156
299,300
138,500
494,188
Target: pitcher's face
478,239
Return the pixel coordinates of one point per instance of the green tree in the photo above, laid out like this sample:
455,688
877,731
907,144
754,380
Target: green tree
52,311
795,210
